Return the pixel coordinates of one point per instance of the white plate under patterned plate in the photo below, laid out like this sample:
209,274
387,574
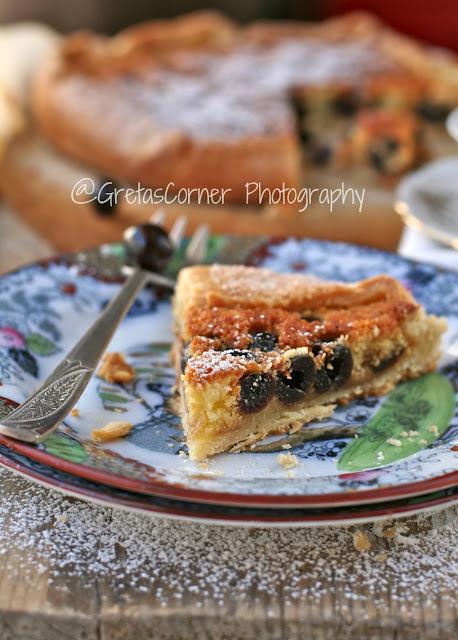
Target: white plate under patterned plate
44,308
452,124
427,200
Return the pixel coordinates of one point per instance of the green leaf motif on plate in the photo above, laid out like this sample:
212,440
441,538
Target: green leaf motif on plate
40,345
112,397
68,449
414,406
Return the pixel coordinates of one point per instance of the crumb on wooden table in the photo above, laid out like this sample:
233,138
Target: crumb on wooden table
114,368
361,541
111,431
287,460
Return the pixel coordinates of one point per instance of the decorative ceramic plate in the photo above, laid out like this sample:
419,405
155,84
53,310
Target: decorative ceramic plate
104,495
427,200
44,308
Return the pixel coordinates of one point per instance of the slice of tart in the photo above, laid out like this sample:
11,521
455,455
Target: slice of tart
260,353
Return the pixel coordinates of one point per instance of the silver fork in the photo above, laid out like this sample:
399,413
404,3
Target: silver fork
45,409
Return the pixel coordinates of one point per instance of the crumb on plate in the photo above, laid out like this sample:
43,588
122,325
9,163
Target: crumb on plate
287,460
114,368
111,431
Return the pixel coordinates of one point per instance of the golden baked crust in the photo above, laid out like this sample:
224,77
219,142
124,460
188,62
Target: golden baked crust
237,285
202,103
260,352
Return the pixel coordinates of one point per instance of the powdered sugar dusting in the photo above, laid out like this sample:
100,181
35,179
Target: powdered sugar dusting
172,560
243,92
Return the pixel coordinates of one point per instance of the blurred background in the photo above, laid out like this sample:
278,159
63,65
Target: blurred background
36,215
435,22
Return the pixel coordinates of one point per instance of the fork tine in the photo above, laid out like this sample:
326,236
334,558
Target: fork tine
158,217
178,229
197,247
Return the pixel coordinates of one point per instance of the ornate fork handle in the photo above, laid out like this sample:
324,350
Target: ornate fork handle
42,413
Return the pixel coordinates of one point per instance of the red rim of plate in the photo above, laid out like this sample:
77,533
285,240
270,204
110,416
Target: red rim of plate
179,512
181,492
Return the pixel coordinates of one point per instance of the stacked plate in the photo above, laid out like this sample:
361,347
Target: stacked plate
427,199
44,308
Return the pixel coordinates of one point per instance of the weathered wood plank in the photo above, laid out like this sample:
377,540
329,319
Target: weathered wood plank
18,243
40,599
35,605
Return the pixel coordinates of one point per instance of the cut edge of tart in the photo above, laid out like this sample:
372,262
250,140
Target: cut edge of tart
260,353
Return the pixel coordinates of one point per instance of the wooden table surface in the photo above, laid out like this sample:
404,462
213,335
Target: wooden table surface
41,598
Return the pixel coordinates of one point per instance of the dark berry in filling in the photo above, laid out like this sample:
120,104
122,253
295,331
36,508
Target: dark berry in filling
305,136
321,155
391,144
105,202
433,112
316,348
382,152
304,367
298,106
292,389
242,353
322,381
150,247
336,370
287,392
346,104
340,365
263,341
387,362
256,389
